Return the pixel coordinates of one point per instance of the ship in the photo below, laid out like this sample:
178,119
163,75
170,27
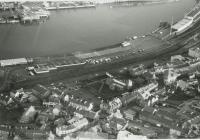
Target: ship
189,20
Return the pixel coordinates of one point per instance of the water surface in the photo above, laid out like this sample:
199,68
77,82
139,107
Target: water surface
83,29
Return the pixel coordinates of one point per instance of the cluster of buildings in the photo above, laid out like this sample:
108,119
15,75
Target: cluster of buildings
23,12
35,12
7,5
156,101
168,104
67,5
30,12
165,103
160,100
49,106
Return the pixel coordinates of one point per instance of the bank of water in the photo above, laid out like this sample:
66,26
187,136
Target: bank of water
84,29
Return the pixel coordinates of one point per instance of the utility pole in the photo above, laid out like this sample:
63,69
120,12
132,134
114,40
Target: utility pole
100,89
171,25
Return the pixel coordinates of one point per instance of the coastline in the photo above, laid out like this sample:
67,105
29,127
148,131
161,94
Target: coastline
18,15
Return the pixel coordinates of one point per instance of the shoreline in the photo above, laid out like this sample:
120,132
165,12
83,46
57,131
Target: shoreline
15,16
136,54
73,72
137,2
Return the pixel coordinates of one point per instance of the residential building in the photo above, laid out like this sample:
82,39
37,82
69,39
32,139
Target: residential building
115,104
35,134
117,123
160,118
140,128
130,114
41,92
192,126
194,52
182,84
75,126
28,115
126,135
177,57
128,97
189,109
145,91
170,76
80,104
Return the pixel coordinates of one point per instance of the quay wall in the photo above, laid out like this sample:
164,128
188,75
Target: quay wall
98,1
118,1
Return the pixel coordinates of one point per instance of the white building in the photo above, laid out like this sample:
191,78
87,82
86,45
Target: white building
28,115
170,76
182,84
194,52
114,83
177,57
126,135
145,91
75,126
10,62
115,104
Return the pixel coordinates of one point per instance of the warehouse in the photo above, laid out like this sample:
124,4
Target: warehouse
10,62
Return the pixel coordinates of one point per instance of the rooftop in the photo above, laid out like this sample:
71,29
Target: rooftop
41,91
87,114
196,49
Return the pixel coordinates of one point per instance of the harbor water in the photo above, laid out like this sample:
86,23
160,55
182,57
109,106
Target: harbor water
83,29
